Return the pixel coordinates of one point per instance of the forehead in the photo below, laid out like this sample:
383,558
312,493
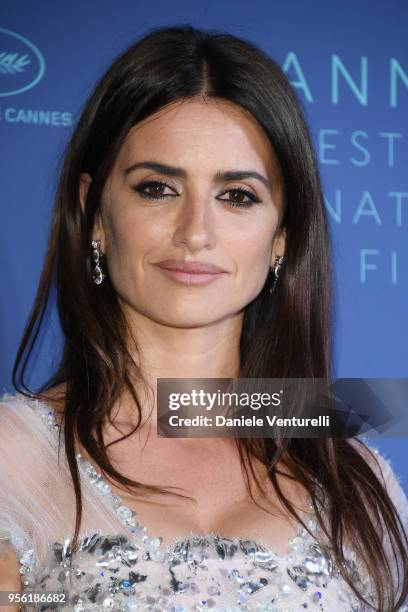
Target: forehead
194,131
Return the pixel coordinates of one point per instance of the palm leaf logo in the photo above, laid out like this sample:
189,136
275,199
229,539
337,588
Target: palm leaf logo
13,63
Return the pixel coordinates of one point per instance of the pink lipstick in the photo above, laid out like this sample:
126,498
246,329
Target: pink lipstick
190,272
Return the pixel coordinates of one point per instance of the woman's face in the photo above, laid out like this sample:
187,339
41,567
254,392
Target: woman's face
191,210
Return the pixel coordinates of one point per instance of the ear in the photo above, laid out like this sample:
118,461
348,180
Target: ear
278,247
97,231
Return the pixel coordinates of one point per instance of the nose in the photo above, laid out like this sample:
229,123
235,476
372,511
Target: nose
195,226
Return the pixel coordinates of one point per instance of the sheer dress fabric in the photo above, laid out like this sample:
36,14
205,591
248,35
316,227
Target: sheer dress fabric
120,566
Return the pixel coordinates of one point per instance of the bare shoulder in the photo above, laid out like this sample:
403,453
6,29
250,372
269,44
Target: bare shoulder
55,395
9,571
55,398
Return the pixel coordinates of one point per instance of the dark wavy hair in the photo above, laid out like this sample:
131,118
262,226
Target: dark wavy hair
288,335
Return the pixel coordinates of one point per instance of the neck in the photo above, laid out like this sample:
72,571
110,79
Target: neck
210,351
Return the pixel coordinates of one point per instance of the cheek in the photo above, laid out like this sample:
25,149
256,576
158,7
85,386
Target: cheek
128,242
252,249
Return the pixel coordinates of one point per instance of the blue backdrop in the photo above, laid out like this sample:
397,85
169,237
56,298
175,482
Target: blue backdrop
349,64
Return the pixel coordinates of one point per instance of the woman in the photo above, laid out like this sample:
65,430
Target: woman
192,154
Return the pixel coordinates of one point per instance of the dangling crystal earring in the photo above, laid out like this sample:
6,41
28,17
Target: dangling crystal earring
97,272
276,269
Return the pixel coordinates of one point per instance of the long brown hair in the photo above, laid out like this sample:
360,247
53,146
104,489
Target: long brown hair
287,335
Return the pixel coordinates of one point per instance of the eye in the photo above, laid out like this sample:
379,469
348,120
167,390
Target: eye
157,188
239,203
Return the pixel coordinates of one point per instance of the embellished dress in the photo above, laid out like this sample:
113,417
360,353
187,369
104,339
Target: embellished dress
120,566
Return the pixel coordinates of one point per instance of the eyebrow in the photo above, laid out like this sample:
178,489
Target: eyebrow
230,175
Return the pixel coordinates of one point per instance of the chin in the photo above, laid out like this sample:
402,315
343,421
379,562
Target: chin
185,320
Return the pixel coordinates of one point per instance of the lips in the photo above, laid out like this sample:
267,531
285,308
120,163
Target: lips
192,267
